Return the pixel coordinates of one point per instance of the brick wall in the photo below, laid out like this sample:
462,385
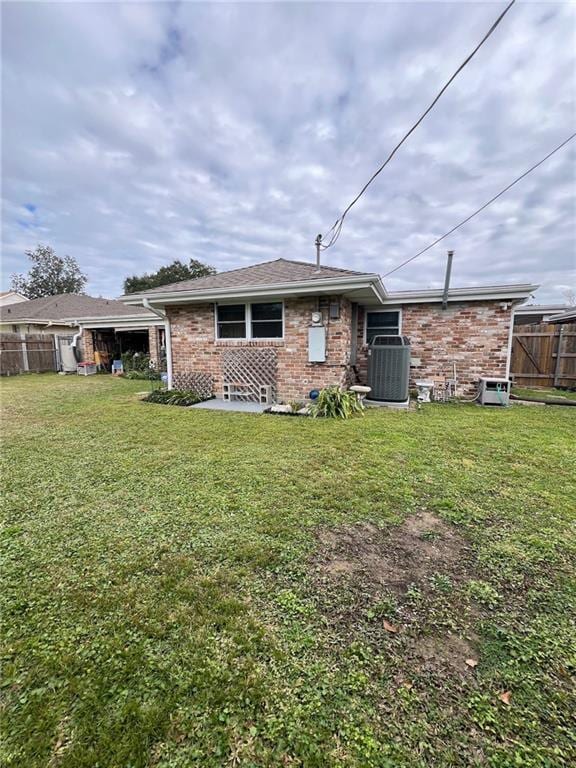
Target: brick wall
87,340
473,334
196,351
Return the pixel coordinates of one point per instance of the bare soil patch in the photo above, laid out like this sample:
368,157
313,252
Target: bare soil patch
394,558
410,576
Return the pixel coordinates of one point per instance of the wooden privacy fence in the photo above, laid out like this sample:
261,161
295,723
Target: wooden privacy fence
544,355
20,353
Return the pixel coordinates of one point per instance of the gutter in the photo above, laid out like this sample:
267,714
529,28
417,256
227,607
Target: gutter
479,293
168,333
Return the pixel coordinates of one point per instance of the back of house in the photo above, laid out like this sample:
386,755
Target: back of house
294,327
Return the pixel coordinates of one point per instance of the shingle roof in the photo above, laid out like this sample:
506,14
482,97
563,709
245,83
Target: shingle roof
68,306
267,273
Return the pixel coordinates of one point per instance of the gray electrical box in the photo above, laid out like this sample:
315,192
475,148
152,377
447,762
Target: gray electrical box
317,344
494,391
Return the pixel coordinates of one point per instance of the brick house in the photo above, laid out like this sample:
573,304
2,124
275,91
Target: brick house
100,325
297,327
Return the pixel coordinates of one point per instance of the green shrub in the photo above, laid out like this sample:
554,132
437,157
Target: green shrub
149,375
135,361
182,397
337,403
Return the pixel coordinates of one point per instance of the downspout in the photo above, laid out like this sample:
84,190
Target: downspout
74,343
510,339
164,317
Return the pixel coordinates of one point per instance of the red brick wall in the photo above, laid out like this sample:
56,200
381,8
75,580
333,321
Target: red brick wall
473,334
87,342
195,350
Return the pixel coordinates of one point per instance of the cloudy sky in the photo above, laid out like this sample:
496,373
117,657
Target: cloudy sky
136,133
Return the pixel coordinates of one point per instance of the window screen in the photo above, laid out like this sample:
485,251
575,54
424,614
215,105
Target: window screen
382,324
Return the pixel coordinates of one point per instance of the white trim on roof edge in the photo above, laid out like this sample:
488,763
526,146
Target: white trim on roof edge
89,322
474,293
131,323
300,287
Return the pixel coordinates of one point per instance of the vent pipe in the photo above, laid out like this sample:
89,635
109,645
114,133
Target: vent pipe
447,280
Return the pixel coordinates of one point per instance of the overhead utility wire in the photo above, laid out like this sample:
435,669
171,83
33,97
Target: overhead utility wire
336,228
467,219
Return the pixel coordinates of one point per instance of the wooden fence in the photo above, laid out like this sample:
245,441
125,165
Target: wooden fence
544,355
20,353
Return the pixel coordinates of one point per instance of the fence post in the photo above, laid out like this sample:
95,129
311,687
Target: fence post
24,351
558,357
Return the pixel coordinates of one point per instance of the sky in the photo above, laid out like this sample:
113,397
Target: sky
233,133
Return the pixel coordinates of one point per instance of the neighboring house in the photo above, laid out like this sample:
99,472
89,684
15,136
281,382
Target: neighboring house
266,323
567,316
529,314
11,297
105,325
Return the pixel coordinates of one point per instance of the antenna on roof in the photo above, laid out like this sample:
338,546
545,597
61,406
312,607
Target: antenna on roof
318,243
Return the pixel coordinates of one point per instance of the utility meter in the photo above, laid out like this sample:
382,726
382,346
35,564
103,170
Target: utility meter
316,318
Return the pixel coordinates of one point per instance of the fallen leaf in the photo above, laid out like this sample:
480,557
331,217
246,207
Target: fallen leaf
505,697
390,627
472,662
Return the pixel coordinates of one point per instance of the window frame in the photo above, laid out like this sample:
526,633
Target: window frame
248,320
372,310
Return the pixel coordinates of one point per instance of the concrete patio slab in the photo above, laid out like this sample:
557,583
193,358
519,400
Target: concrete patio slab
226,405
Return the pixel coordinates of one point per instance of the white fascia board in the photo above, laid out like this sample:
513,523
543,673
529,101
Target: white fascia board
300,288
31,321
115,321
537,309
476,293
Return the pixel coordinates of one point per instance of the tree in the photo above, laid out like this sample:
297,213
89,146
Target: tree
570,296
49,275
172,273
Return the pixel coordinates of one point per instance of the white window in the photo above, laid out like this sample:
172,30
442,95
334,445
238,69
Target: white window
262,320
382,324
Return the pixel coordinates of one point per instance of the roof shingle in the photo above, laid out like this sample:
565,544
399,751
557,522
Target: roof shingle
68,306
267,273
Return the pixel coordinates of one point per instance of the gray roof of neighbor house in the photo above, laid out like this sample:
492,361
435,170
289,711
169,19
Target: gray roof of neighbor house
569,316
67,307
267,273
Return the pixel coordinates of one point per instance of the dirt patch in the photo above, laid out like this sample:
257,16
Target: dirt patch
400,589
394,558
445,654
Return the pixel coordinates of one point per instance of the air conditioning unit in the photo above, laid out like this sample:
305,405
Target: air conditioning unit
389,368
494,391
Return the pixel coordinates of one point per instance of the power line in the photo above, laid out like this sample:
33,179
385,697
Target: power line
336,228
467,219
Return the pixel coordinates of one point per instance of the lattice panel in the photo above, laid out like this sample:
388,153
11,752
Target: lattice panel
248,369
201,383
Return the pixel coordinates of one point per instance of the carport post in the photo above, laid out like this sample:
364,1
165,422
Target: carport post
164,317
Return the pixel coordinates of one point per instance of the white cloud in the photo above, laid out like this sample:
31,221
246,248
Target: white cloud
234,133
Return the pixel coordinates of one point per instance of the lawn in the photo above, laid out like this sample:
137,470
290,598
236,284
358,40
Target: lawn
543,393
192,588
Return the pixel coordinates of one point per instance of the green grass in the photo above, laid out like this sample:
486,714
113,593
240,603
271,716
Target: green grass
543,393
161,606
